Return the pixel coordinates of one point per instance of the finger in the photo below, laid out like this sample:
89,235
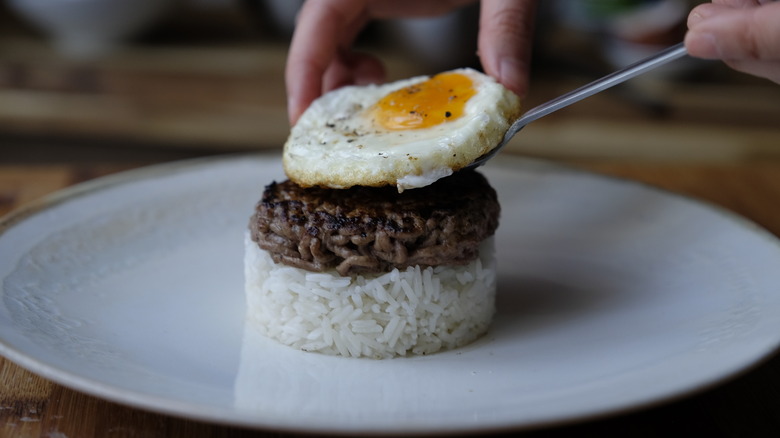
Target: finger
353,69
765,69
323,28
413,8
706,10
504,42
736,34
740,3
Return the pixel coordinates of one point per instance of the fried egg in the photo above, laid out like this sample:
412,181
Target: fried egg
407,134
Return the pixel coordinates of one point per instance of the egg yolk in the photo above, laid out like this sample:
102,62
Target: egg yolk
432,102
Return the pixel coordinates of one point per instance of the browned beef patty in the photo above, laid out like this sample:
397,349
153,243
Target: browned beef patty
364,229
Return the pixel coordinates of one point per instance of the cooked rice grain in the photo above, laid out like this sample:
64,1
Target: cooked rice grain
414,311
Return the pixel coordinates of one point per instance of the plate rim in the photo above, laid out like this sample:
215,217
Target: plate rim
229,417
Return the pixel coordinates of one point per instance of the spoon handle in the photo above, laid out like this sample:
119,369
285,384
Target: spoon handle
624,74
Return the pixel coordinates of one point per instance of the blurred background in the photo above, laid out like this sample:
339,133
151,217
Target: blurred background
143,81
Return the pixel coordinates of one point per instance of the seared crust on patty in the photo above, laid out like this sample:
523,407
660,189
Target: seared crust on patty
365,229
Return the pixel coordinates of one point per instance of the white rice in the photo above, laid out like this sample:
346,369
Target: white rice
414,311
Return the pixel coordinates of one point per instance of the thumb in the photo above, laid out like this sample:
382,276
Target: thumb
736,34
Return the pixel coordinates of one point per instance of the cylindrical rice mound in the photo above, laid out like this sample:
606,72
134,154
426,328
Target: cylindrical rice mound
398,313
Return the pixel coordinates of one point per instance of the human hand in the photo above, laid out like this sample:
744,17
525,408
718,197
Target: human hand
321,56
745,34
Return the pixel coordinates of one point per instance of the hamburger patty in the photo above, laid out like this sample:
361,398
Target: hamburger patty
365,229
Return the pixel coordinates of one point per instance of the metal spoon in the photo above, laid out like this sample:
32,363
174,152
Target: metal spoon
624,74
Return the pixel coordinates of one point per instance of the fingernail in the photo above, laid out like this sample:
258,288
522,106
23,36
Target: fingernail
694,18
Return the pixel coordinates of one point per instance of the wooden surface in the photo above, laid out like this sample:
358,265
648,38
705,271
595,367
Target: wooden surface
231,98
746,406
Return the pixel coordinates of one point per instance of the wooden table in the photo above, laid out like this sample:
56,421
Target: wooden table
749,405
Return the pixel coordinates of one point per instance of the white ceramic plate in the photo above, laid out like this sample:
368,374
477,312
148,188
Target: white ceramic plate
612,296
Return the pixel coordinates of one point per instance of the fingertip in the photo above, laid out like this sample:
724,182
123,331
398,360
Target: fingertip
369,70
301,92
298,96
510,74
702,45
293,111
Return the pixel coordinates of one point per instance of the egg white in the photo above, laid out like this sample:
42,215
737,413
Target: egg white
336,143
